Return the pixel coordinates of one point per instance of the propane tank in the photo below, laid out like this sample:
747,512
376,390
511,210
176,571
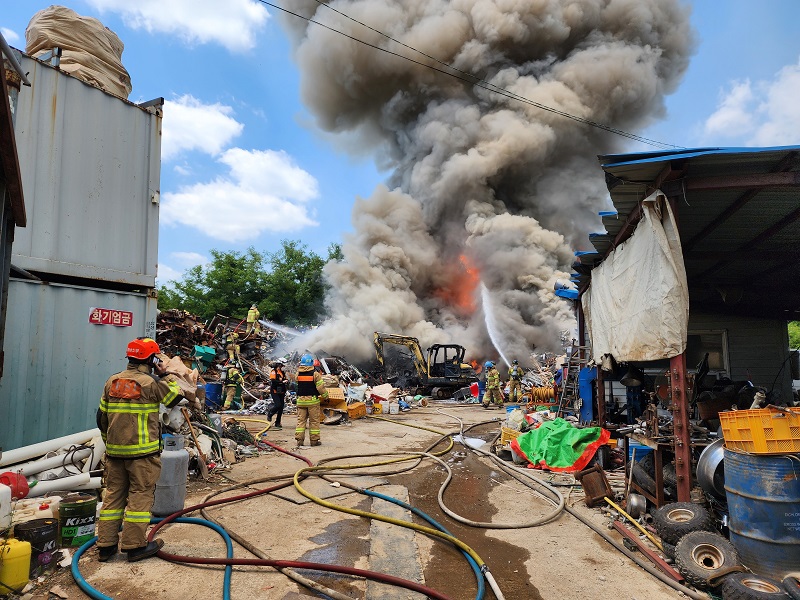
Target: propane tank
171,486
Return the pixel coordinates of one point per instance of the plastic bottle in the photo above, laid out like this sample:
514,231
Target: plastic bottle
171,486
5,507
15,564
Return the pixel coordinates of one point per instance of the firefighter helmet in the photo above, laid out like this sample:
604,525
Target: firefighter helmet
306,360
515,362
142,349
489,364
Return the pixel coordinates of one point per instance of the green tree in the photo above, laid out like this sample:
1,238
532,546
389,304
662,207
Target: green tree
228,285
287,285
794,334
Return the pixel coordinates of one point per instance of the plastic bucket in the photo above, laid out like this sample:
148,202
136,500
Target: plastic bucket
43,535
213,394
76,519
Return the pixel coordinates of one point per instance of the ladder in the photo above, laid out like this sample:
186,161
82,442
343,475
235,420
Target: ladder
569,384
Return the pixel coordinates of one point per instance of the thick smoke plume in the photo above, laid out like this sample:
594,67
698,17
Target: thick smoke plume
483,187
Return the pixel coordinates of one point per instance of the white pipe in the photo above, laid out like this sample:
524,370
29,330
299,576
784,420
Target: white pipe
95,483
18,455
99,450
42,488
37,466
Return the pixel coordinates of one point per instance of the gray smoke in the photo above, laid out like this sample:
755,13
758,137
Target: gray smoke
509,186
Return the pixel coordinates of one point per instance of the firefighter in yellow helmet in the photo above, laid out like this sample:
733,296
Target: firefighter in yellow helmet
232,345
252,319
310,389
233,380
515,373
129,423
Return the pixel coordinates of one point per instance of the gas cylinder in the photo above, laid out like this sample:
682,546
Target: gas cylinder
171,486
15,563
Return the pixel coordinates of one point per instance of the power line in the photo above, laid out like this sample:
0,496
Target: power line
467,77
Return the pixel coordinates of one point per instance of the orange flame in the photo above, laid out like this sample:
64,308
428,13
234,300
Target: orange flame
459,290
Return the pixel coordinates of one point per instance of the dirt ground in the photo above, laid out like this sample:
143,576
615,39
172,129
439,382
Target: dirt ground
558,560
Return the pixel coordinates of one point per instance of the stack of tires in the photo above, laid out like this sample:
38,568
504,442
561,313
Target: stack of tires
708,561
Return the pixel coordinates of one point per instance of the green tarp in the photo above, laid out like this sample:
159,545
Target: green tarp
560,446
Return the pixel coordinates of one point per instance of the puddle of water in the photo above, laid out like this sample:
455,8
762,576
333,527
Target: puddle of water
470,441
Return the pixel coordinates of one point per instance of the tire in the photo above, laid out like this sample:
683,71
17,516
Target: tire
648,463
670,481
641,477
701,555
675,520
792,586
668,550
746,586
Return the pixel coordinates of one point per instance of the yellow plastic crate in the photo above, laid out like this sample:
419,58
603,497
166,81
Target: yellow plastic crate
761,431
507,434
357,410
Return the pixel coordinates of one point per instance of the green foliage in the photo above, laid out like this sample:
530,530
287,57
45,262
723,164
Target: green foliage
794,334
286,285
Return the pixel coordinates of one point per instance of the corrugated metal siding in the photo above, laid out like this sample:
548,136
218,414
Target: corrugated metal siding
90,166
756,349
57,362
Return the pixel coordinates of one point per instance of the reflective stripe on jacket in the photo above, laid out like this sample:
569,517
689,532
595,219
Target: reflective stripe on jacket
310,387
128,413
492,380
252,315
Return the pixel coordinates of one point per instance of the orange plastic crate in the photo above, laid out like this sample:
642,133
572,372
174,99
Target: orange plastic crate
357,410
761,431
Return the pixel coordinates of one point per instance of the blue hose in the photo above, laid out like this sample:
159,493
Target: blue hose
476,569
97,595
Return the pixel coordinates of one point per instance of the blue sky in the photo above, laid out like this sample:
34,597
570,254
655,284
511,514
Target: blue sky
257,171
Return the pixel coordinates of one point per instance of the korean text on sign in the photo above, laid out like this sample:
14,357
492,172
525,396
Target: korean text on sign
108,316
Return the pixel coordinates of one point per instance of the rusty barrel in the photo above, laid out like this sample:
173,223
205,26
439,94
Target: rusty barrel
763,494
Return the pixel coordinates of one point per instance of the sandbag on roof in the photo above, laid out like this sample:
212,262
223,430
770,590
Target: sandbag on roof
90,51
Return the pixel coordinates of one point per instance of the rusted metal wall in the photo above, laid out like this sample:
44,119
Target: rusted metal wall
59,360
91,169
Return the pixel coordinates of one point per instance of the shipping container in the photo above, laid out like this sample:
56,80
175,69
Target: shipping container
91,168
60,351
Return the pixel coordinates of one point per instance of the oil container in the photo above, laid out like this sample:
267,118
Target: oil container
15,561
763,494
171,486
77,514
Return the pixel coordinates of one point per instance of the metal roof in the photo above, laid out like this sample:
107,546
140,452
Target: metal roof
736,209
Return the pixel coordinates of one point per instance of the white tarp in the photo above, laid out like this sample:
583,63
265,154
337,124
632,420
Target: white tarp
90,51
637,306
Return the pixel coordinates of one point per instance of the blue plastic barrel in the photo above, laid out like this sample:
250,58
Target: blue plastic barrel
214,394
763,494
641,450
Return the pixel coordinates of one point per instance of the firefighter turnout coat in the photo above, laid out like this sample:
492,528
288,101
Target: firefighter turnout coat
128,416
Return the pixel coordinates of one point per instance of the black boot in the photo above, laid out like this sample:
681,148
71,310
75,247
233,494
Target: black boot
147,551
105,553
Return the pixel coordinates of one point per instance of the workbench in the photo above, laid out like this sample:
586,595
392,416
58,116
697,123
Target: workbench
658,448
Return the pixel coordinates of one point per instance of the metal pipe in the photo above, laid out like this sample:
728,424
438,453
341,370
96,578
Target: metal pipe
13,60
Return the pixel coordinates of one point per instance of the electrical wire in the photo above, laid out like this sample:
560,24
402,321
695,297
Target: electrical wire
472,79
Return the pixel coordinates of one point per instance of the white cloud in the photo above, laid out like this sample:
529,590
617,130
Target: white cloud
264,191
233,24
189,259
191,125
166,274
766,113
12,37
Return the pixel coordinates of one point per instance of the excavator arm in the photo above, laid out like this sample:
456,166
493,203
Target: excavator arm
411,343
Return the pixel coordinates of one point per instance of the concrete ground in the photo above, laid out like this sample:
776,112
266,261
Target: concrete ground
561,559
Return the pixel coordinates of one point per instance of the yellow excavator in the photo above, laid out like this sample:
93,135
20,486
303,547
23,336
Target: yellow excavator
439,373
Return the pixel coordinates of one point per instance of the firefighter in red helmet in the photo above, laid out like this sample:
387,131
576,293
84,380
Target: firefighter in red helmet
128,418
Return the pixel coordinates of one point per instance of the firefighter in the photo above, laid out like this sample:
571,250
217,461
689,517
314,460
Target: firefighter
310,389
232,346
493,394
515,374
233,379
252,319
131,429
277,385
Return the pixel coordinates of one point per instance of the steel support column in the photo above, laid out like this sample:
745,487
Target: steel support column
680,424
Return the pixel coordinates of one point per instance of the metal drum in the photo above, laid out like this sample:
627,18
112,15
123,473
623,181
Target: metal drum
763,494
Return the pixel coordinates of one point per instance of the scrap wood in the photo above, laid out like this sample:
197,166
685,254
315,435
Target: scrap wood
655,558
